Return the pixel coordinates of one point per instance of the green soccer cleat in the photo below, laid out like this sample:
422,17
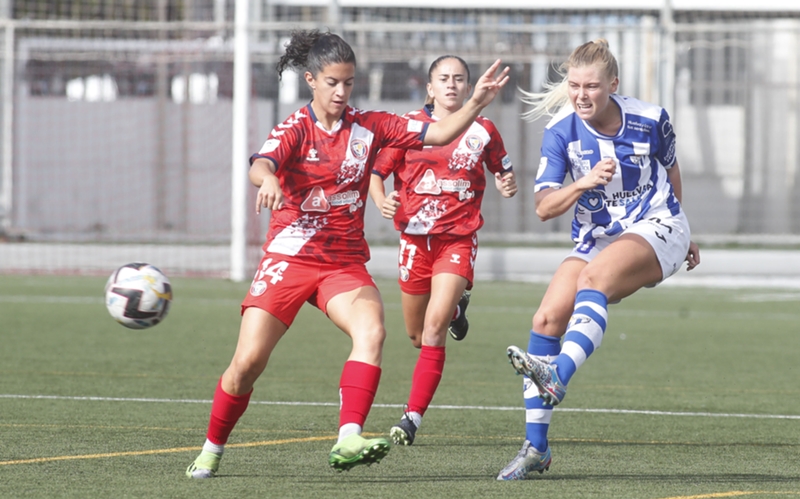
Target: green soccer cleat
355,449
205,466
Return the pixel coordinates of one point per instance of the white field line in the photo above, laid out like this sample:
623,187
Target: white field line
396,406
751,297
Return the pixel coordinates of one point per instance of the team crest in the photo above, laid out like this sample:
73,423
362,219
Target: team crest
359,149
404,274
474,143
258,288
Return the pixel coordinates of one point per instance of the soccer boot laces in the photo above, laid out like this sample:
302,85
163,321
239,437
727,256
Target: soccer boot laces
543,375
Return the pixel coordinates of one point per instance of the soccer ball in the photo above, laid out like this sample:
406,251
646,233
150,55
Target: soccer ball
138,295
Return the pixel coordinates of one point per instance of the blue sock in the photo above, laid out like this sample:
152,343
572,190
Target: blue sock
584,333
537,413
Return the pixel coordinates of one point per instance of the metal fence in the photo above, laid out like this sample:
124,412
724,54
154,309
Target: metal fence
116,126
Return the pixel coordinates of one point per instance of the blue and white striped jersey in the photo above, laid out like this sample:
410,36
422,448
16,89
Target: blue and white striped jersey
644,148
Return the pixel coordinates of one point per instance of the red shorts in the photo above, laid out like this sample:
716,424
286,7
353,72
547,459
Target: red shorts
421,257
283,283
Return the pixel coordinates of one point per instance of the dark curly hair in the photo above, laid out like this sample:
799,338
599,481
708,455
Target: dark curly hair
312,50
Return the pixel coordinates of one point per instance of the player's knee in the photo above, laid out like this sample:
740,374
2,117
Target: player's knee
549,322
371,337
589,278
241,376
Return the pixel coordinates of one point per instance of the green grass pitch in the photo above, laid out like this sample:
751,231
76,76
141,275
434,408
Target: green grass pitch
693,394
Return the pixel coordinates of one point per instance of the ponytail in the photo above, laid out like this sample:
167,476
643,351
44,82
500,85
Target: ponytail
312,50
556,94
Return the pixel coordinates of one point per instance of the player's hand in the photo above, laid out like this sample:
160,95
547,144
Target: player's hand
489,85
506,184
692,256
390,205
269,195
600,174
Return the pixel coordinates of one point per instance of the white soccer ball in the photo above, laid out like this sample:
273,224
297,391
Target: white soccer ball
138,295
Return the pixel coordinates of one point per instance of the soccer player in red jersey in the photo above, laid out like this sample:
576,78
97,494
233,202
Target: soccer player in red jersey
312,173
436,206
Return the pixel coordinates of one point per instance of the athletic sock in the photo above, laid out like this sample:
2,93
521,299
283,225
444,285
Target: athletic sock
537,413
584,333
426,378
357,388
210,446
225,412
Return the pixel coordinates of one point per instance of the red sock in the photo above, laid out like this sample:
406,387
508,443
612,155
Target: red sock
427,375
225,412
357,389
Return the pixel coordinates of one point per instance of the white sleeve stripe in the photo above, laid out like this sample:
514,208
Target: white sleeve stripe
545,185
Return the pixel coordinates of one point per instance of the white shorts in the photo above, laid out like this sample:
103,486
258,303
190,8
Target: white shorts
668,235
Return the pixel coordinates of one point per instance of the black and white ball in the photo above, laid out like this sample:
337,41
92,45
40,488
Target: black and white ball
138,295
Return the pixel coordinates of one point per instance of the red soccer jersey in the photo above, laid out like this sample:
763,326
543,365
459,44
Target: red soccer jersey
441,187
324,177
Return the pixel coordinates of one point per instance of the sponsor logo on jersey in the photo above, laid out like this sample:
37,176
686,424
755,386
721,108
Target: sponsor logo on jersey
415,126
316,201
359,148
669,157
348,197
269,146
625,198
474,143
666,129
638,126
312,155
576,154
428,184
592,201
258,288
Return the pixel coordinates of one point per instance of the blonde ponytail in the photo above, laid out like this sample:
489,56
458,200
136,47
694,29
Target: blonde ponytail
556,94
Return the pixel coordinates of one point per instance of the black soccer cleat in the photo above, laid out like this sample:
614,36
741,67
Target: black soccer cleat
459,327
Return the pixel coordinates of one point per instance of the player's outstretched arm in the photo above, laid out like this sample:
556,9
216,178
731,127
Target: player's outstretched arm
488,86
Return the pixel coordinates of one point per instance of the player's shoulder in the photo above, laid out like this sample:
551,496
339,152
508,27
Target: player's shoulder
419,115
562,117
302,116
485,122
634,107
